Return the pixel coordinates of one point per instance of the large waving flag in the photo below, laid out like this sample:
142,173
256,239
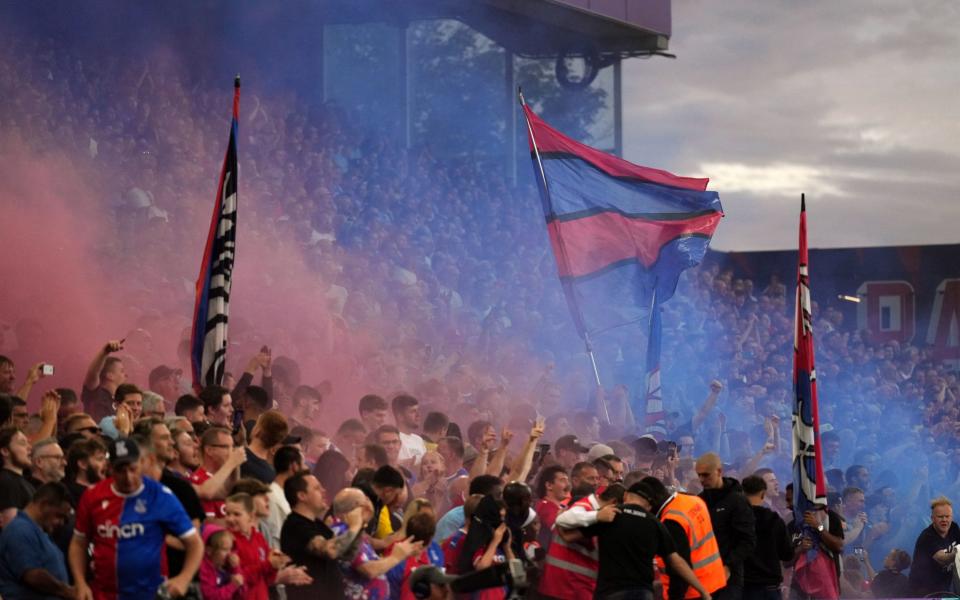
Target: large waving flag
619,231
212,309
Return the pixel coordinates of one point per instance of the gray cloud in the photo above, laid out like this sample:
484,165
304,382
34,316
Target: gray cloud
854,102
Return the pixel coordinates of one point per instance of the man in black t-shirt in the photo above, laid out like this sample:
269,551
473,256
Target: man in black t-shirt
629,538
935,551
309,542
15,490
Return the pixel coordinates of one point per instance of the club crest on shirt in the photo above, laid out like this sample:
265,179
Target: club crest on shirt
104,505
140,506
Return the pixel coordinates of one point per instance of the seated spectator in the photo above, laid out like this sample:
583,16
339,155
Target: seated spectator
31,566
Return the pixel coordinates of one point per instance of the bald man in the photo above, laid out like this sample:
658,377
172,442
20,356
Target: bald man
733,522
364,572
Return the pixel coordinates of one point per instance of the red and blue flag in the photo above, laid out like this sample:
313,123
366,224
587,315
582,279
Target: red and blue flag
208,343
619,231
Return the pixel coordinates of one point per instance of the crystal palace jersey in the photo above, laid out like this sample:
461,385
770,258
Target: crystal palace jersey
127,535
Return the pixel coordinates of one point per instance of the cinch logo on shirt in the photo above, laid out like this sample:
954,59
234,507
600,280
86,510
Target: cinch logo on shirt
123,532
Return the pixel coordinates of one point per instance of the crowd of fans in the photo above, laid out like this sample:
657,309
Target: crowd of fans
448,399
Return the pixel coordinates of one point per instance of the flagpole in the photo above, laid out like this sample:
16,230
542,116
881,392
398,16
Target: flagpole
586,336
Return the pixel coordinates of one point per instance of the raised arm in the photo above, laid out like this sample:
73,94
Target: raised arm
715,388
500,455
521,466
92,380
219,483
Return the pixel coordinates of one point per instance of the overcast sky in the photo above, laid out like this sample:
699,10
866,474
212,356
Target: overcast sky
855,102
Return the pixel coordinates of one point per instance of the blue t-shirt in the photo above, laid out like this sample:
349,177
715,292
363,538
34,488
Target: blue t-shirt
24,546
449,524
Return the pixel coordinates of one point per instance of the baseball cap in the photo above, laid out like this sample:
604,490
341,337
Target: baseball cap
571,443
162,372
123,451
643,490
599,450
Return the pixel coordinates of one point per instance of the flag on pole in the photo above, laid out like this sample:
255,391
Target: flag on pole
208,343
655,420
814,572
808,480
619,231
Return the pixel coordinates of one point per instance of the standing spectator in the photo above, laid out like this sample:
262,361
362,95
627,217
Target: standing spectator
732,519
156,454
454,544
191,407
487,542
484,485
553,489
258,564
253,402
268,434
855,521
220,577
762,572
334,472
31,566
286,462
373,412
628,543
86,466
218,472
406,413
890,582
434,429
8,375
307,540
350,435
687,519
186,457
15,490
218,406
420,527
49,463
129,402
935,551
820,577
306,404
569,451
104,375
451,449
364,573
165,381
83,424
125,519
584,479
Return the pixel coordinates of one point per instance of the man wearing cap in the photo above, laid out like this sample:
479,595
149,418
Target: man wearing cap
687,519
125,518
569,451
165,381
629,539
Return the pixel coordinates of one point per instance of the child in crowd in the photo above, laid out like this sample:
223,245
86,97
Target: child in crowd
220,578
258,564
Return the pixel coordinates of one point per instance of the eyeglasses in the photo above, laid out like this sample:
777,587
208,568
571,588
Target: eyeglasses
230,446
56,456
91,429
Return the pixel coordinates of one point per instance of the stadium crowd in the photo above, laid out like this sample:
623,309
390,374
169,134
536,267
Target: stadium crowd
437,430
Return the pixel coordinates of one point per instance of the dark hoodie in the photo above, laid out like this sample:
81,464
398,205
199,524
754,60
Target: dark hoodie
733,524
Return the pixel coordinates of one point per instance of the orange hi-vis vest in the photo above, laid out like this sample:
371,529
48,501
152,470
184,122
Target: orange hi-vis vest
692,514
570,569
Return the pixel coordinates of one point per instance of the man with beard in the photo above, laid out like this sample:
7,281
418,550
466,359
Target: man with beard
86,465
186,454
15,490
48,462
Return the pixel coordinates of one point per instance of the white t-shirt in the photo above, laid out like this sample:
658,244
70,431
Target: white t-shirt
279,510
412,446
